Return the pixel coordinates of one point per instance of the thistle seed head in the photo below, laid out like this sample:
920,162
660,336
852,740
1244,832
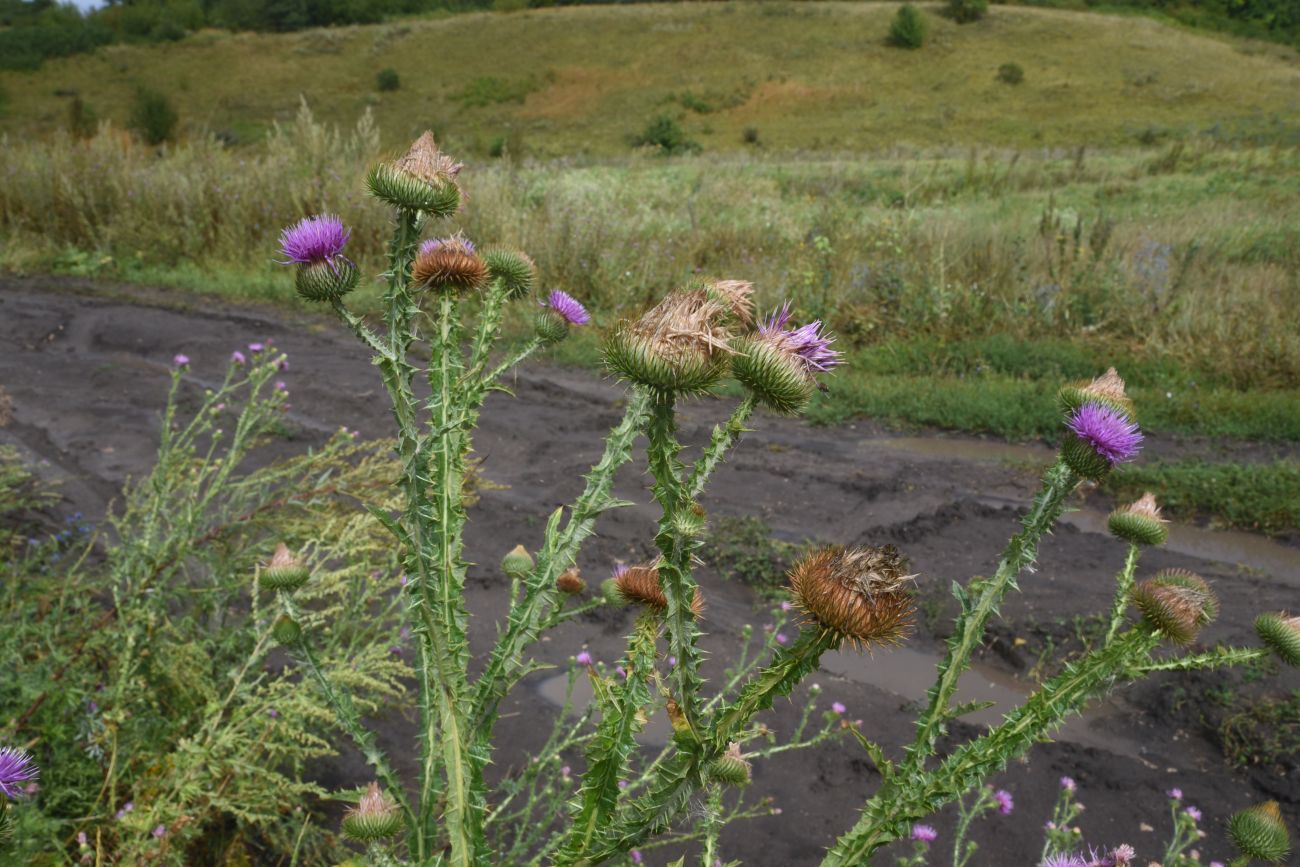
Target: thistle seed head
861,594
1140,522
449,265
1281,633
1177,603
285,570
679,345
641,584
1107,389
375,817
737,295
1259,832
570,582
425,179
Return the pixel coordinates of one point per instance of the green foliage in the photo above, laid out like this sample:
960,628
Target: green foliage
153,117
908,28
966,11
82,120
743,548
1264,732
489,90
665,134
1264,497
387,80
143,654
1011,73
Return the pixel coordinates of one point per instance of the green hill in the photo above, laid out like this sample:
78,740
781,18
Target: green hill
808,75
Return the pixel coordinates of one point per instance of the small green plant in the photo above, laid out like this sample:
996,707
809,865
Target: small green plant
908,29
153,117
387,80
82,120
664,134
742,548
966,11
489,90
1011,73
750,136
1264,732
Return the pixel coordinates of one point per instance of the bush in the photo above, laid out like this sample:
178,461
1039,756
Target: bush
667,135
908,28
82,120
1011,73
750,135
153,117
388,79
966,11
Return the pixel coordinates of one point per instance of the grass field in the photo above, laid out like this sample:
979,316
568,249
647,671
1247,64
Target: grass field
581,80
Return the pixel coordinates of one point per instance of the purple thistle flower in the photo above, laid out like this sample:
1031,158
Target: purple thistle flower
925,833
838,707
1064,860
456,240
806,342
238,357
568,307
1068,784
1107,430
636,856
181,360
782,638
160,831
786,606
256,347
672,662
1194,813
1176,794
1005,802
312,240
16,768
280,385
584,658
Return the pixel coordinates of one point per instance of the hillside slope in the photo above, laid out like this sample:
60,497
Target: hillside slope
583,79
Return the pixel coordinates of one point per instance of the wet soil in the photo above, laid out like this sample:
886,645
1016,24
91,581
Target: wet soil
87,367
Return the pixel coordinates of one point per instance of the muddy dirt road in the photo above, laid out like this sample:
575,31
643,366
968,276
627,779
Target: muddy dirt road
87,369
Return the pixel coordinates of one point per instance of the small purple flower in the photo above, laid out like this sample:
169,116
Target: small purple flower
1176,794
1064,860
1068,784
565,771
280,386
160,831
782,638
272,713
786,606
81,839
806,342
621,671
622,784
924,833
1124,853
256,347
568,307
238,357
284,363
1005,802
181,360
16,768
456,240
314,239
1194,813
1107,430
838,708
672,662
636,856
584,658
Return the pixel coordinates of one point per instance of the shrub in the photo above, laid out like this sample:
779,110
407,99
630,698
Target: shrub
1011,73
82,120
750,135
153,117
966,11
908,28
666,135
388,80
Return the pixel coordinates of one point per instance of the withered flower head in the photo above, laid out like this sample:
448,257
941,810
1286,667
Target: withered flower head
862,594
680,344
424,179
570,581
731,767
1281,632
1177,603
449,265
1140,522
284,571
641,584
375,817
738,295
1107,389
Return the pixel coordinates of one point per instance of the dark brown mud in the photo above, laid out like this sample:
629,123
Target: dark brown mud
87,369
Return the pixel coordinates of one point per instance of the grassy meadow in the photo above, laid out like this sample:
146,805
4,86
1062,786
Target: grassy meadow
1136,200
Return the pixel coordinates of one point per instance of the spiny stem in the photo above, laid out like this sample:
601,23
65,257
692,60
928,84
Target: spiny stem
724,437
1123,586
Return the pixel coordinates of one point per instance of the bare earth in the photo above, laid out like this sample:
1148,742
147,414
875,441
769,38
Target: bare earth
87,367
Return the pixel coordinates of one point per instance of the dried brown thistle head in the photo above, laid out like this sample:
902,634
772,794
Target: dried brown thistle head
862,594
641,584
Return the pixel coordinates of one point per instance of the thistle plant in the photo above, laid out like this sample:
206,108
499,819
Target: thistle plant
445,303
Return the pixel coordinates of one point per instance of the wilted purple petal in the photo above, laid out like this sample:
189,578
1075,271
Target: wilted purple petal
807,342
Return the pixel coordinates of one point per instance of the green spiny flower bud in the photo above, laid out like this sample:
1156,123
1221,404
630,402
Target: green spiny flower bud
516,271
1177,603
422,180
689,523
326,281
286,630
375,817
780,364
730,768
285,571
612,595
1140,522
518,563
550,326
1259,832
1107,389
1282,635
679,345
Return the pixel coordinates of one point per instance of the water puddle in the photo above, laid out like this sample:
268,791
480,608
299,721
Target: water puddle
967,449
